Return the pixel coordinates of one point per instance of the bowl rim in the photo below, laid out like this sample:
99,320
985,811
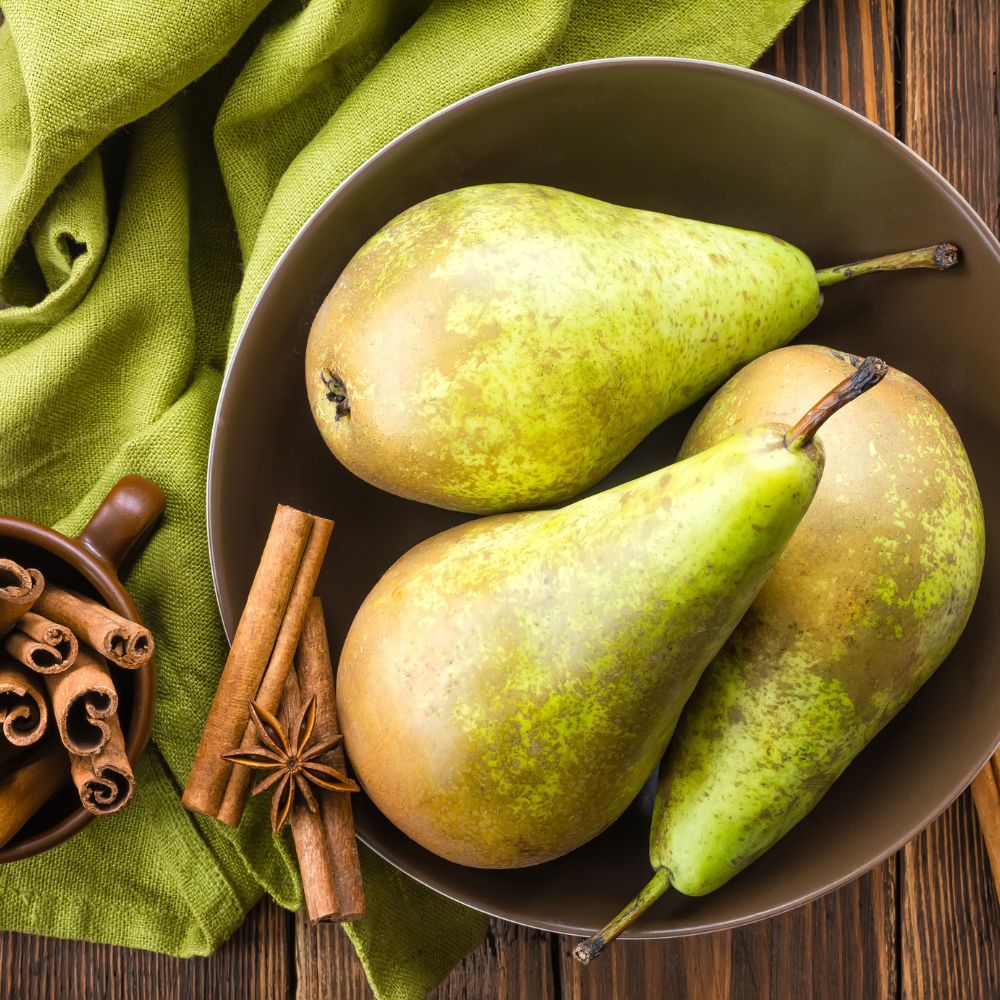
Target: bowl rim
105,580
526,80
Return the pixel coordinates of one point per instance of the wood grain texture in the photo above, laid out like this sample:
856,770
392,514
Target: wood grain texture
951,60
327,967
986,798
840,946
514,963
950,919
844,945
844,49
256,963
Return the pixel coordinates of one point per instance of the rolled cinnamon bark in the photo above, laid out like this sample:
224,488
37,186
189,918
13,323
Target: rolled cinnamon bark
272,686
19,590
84,701
104,779
319,884
26,790
315,676
37,656
124,643
247,660
23,708
50,634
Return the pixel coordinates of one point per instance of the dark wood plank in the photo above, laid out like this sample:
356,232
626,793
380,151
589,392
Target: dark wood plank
950,926
257,963
844,49
327,967
951,61
842,945
694,968
515,963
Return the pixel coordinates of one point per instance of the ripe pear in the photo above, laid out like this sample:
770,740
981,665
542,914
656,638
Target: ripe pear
509,684
868,598
505,346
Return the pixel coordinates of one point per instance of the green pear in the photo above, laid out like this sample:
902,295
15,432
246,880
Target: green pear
505,346
509,684
866,601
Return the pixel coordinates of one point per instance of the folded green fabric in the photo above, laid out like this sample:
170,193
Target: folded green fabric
155,160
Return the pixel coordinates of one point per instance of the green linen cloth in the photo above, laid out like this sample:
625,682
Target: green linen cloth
156,157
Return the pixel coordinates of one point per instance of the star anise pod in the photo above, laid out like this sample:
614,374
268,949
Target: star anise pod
292,761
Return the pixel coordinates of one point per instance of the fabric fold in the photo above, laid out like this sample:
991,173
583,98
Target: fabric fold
73,95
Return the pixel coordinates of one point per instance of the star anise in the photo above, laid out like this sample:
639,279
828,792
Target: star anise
292,761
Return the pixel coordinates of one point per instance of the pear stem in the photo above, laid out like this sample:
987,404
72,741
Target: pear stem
941,256
868,375
588,950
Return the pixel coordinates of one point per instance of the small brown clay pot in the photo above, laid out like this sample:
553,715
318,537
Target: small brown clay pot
89,563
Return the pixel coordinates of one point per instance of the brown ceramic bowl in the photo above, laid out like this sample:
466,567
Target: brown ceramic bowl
707,142
89,564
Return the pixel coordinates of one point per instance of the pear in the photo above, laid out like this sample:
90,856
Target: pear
509,684
505,346
867,600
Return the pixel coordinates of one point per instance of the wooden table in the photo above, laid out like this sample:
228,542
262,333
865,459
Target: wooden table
926,922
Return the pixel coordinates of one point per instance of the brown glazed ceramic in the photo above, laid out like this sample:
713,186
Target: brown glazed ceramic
89,564
706,142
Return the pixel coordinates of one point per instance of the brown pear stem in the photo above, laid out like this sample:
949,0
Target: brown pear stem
587,951
871,372
940,256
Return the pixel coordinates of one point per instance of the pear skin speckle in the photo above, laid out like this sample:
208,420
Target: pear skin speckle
867,600
505,346
508,686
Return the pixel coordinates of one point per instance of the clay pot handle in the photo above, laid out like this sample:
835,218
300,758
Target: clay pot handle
126,516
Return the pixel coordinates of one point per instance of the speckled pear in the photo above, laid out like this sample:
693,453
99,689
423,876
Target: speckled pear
505,346
866,601
509,685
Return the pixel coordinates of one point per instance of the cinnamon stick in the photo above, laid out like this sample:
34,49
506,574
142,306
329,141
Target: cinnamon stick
315,865
37,656
104,779
53,635
272,686
247,660
23,709
124,643
987,799
84,701
19,590
315,676
26,790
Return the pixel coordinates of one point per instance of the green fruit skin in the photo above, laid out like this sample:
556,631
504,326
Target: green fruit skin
867,600
509,684
505,346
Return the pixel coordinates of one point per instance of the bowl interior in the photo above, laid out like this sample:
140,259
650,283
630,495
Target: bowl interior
707,142
66,804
